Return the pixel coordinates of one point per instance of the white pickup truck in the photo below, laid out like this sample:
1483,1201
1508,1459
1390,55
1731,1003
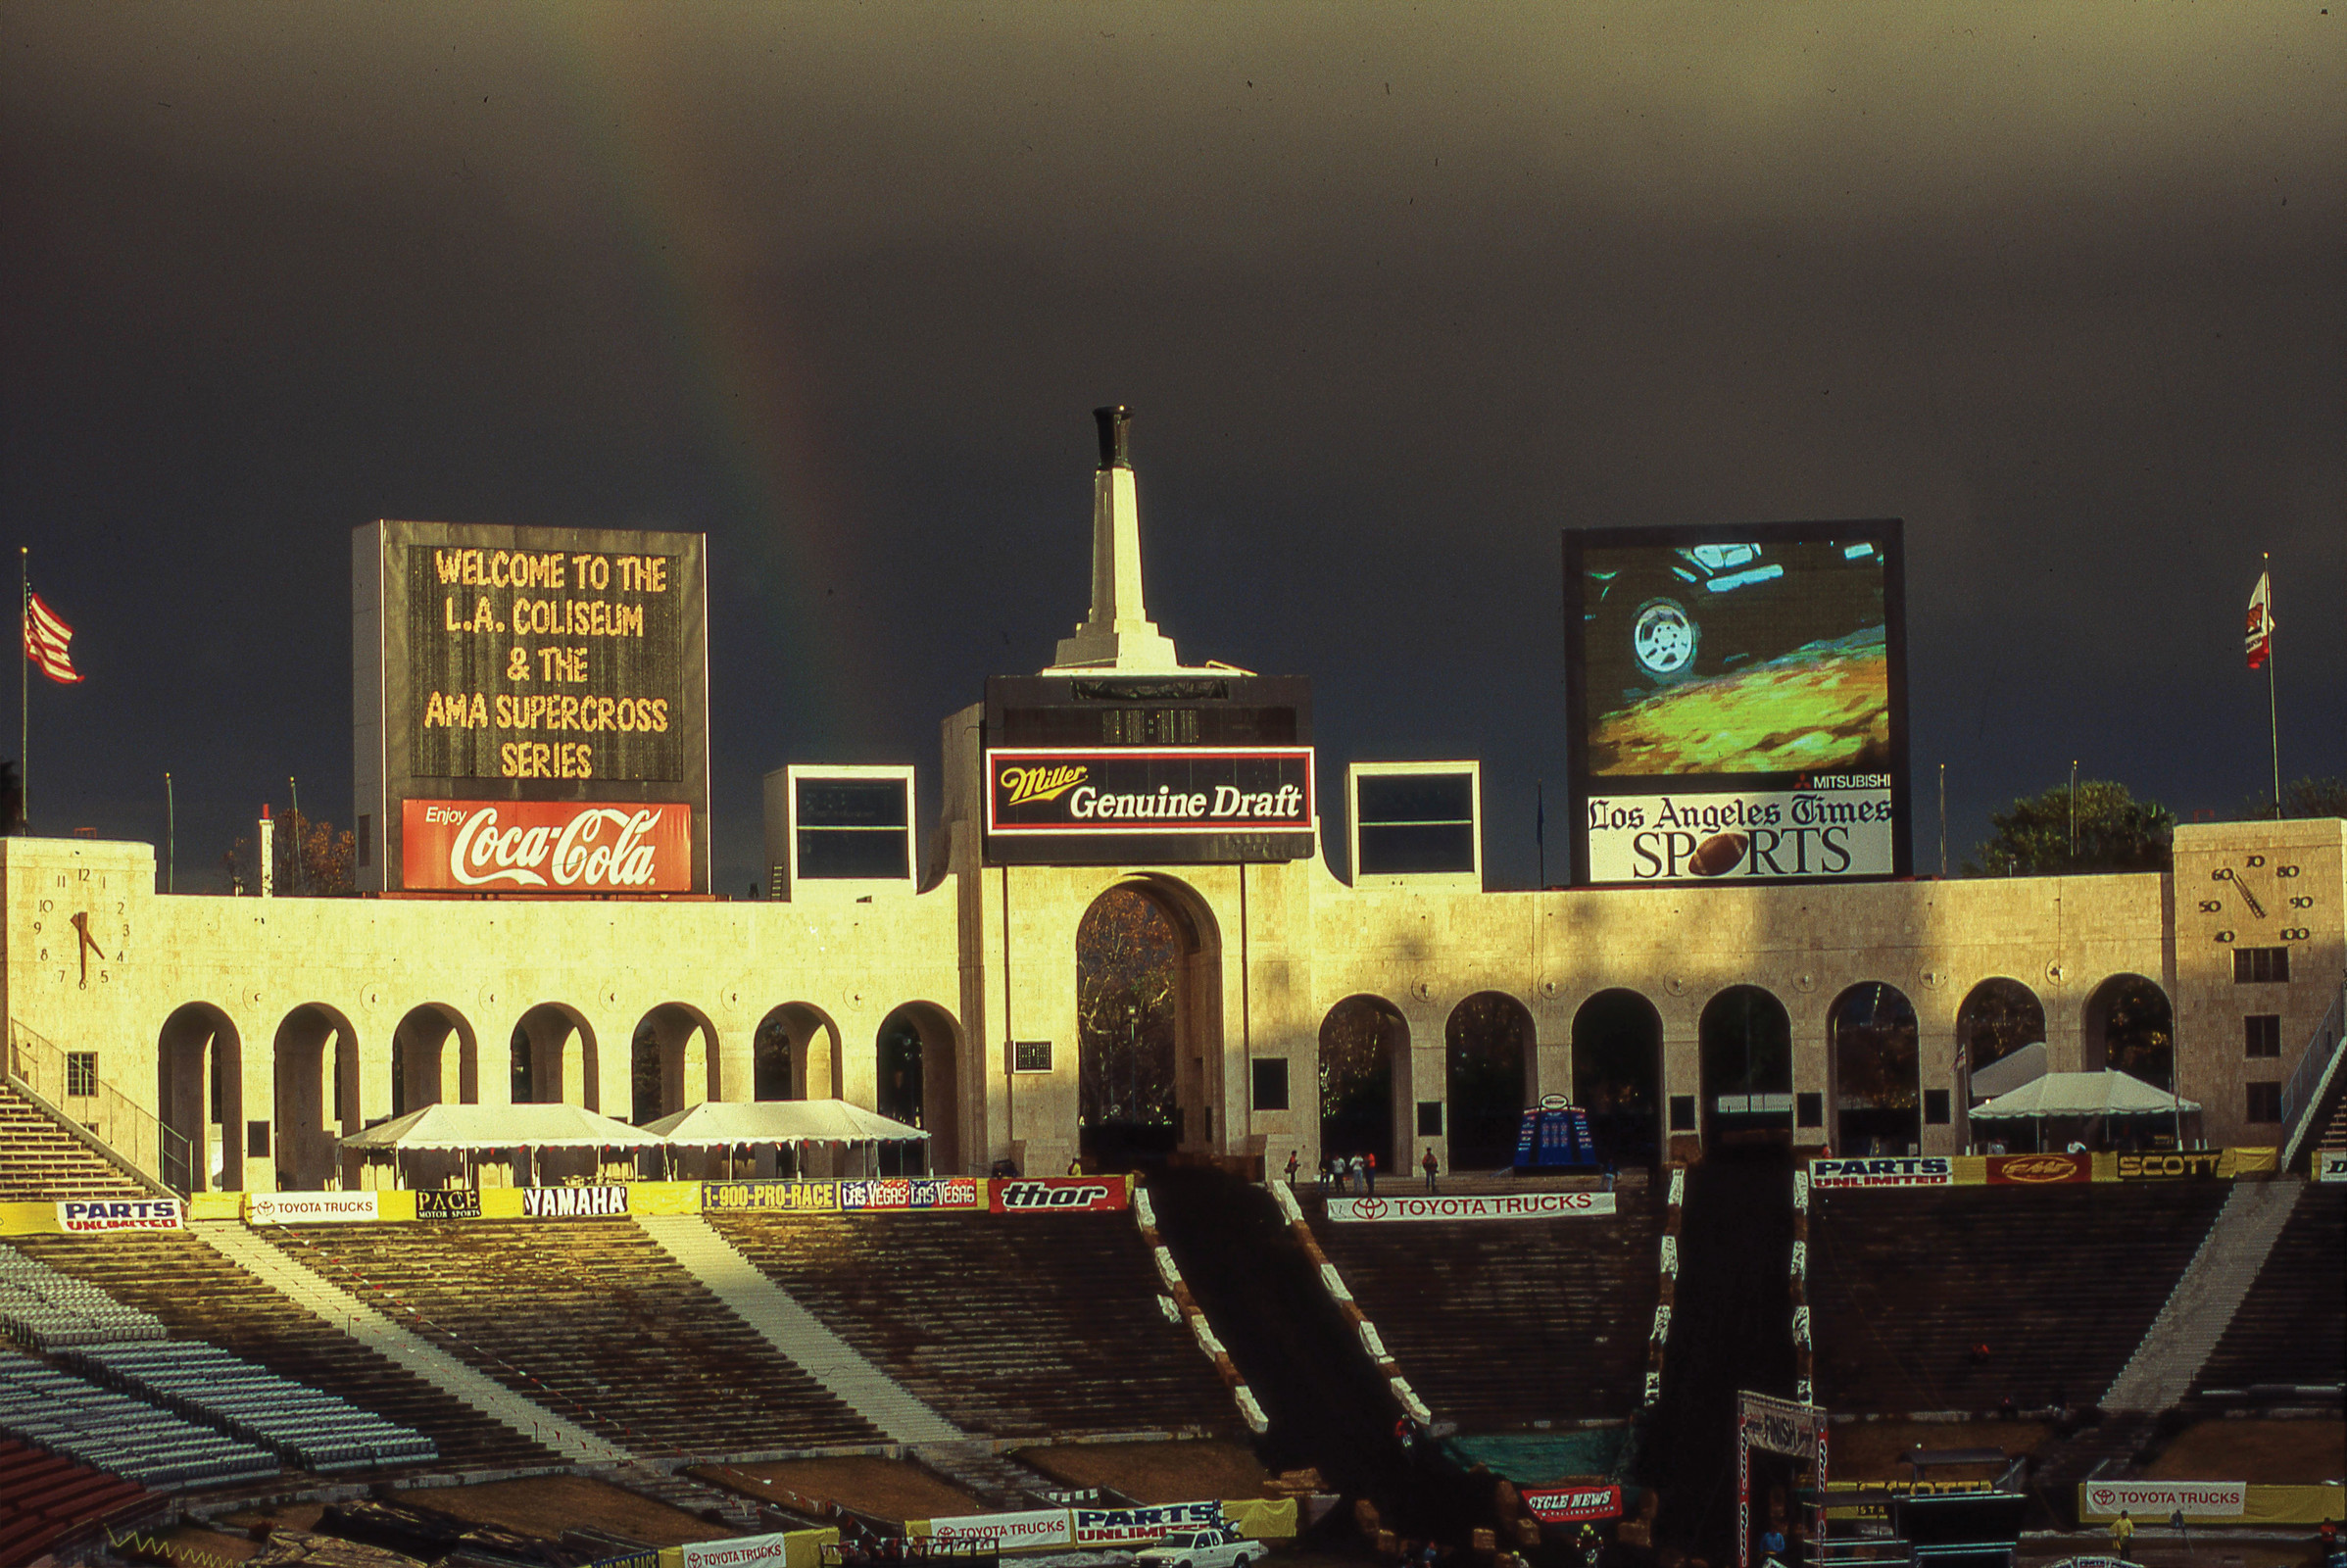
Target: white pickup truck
1219,1547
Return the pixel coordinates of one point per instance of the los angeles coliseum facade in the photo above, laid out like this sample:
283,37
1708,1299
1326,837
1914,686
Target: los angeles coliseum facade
267,1027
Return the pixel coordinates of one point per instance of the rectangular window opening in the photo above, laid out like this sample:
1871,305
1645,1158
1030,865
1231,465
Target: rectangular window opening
1430,1118
2261,1033
2265,1102
82,1074
1809,1111
1936,1106
255,1140
1271,1083
2261,965
1683,1114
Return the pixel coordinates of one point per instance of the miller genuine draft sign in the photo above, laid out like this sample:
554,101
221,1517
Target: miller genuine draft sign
1175,789
532,710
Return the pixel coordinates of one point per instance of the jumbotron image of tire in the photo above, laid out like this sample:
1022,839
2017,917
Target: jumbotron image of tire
1664,640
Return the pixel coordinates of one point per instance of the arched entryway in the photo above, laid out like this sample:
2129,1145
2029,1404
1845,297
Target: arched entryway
1364,1045
672,1062
1148,1024
917,1056
554,1058
199,1066
797,1054
2132,1027
1487,1048
1617,1074
1998,1017
435,1059
317,1082
1747,1053
1877,1080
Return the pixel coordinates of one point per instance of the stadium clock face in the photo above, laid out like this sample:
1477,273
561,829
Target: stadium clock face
2267,894
82,925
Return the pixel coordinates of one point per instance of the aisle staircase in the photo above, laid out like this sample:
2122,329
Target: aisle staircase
794,1331
2206,1298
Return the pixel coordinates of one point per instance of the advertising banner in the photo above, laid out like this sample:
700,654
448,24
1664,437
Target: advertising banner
312,1209
1780,1426
441,1204
1905,1170
1564,1505
1832,827
1138,1527
87,1218
772,1197
2040,1170
910,1192
1059,1195
1492,1205
1147,790
574,1202
547,846
1005,1532
2330,1164
2157,1499
741,1552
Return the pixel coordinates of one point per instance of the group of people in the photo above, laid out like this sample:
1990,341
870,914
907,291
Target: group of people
1356,1173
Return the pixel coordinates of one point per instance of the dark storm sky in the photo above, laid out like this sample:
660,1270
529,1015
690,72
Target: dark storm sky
1395,294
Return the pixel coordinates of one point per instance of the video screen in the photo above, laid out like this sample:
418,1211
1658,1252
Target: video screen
1736,655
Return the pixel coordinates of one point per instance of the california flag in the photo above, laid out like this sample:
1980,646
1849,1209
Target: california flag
2260,641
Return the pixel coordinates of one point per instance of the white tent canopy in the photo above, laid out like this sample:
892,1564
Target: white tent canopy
2109,1092
717,1124
2011,1070
493,1127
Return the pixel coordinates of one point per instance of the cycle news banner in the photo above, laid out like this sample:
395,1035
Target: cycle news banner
1877,1171
1088,1529
1469,1206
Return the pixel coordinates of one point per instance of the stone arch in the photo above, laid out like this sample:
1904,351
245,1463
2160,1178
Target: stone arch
315,1082
918,1051
1618,1073
544,1067
1998,1017
2130,1025
199,1068
795,1054
1488,1050
1746,1058
1148,1078
1364,1074
672,1061
424,1070
1878,1071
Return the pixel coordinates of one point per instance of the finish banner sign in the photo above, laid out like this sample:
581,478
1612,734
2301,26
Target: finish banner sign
87,1218
1564,1505
546,847
1830,826
1148,790
1910,1170
1509,1205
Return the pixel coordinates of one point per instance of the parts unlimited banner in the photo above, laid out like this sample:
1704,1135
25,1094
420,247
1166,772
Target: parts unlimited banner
1839,827
1148,790
546,847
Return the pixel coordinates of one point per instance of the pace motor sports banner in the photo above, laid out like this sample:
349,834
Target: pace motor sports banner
1830,829
1149,789
1509,1205
87,1218
1564,1505
1060,1194
312,1209
2040,1170
546,847
1902,1170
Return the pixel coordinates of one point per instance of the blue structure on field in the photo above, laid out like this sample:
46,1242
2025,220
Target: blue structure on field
1554,1139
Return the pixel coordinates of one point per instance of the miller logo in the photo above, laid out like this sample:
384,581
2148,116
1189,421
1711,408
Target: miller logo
1047,783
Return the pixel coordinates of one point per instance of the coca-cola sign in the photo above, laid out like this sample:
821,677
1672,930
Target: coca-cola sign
547,846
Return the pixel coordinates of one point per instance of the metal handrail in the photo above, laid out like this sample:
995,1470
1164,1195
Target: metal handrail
2304,1090
117,1126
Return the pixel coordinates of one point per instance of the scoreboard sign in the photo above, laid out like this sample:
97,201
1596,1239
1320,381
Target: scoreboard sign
532,710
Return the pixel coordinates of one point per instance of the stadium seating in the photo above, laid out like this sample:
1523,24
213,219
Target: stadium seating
40,1162
47,1310
2059,1284
313,1430
43,1496
116,1432
592,1319
1502,1324
199,1294
1013,1325
2291,1331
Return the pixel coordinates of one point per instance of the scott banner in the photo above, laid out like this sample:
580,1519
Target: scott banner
1149,789
1497,1206
546,847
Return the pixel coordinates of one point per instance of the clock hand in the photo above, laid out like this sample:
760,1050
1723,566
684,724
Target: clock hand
2250,899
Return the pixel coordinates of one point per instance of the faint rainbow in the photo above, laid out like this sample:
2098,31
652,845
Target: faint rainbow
738,358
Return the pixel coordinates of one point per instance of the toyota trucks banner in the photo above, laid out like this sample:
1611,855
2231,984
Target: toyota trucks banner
312,1209
1509,1205
547,846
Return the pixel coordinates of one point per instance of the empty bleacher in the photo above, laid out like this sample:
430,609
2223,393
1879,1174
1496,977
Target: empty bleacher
592,1319
2291,1330
47,1310
312,1430
43,1496
40,1162
1012,1325
2059,1283
199,1294
1500,1325
116,1432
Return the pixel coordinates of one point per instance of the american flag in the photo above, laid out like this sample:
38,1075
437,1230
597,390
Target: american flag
45,641
2259,643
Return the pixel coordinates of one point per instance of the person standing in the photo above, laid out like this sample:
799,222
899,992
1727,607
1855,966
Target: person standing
1294,1164
1430,1166
1369,1174
2123,1530
1354,1169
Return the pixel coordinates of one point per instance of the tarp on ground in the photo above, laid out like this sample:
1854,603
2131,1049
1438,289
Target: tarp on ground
1542,1458
2108,1092
487,1127
717,1124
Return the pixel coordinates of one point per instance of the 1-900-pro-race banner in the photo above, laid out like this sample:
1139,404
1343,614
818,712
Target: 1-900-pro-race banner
1149,789
547,846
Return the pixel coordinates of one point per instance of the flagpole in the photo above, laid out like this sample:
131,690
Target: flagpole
2272,711
24,690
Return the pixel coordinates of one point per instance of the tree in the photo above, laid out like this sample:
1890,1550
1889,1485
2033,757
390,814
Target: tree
2116,832
1127,958
12,799
2301,797
310,859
